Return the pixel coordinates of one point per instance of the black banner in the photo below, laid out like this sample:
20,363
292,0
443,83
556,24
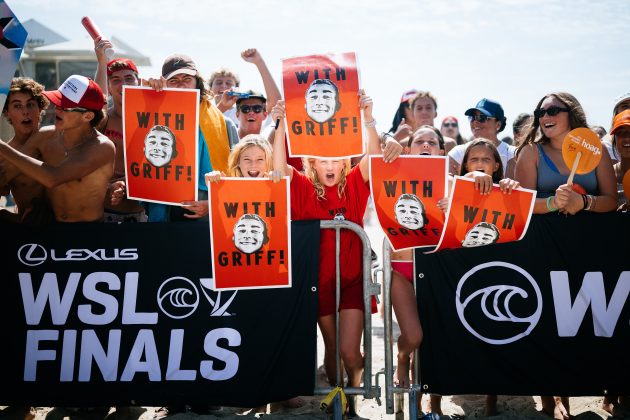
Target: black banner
548,315
104,314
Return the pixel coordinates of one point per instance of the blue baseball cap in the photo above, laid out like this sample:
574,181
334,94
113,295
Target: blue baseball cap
489,108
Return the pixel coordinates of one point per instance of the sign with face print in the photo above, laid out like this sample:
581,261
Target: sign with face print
249,233
475,219
322,105
406,192
160,144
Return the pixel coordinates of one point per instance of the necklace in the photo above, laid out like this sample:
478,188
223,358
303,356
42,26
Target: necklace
68,150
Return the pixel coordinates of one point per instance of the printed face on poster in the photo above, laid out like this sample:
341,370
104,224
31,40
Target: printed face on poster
12,40
405,194
249,233
323,116
476,220
160,137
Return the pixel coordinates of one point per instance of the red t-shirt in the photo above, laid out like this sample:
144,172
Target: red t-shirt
351,206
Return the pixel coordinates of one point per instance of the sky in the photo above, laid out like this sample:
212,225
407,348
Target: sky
512,51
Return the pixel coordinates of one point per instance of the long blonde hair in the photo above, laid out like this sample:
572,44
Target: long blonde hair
250,140
311,173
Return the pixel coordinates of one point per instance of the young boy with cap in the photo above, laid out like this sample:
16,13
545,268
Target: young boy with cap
75,162
487,120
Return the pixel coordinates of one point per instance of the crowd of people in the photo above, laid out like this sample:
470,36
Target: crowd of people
74,171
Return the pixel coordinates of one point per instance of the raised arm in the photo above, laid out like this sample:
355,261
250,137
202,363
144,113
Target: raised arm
100,46
391,149
252,55
279,149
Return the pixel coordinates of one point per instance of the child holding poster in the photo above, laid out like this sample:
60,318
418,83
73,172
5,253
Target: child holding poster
329,190
426,140
251,158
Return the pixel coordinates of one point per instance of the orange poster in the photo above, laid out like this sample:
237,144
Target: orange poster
250,233
475,220
405,194
160,136
322,106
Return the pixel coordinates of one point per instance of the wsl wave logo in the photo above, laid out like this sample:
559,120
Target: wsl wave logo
498,313
178,297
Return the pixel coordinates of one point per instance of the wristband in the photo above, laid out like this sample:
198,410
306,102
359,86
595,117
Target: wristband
549,206
369,124
585,201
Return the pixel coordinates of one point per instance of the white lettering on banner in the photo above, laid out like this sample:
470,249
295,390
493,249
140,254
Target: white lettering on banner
36,254
500,296
49,292
569,315
211,347
130,254
143,357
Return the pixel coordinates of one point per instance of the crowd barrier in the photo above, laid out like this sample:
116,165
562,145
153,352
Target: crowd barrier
106,314
496,319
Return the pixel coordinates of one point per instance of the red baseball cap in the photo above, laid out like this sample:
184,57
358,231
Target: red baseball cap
77,92
118,64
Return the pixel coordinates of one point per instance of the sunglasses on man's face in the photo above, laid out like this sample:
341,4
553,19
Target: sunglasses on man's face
71,109
552,111
256,108
450,125
482,118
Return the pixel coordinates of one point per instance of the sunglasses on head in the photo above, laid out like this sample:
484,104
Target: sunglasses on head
450,124
552,111
256,108
482,118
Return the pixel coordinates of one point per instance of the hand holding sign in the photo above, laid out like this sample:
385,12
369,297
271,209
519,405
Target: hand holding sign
95,33
581,151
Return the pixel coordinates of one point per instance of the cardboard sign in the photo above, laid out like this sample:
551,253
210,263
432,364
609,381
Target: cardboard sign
584,146
249,233
12,40
321,95
475,220
405,194
160,137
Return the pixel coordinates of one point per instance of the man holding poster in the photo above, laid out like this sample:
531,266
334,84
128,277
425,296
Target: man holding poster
320,92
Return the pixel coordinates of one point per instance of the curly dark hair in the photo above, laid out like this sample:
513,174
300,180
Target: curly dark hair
29,86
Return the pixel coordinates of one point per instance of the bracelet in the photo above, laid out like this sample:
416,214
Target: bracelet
590,200
549,206
369,124
585,201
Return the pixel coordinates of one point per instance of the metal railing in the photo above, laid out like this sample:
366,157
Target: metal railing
369,390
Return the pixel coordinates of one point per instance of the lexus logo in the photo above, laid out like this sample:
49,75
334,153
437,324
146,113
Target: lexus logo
32,254
498,313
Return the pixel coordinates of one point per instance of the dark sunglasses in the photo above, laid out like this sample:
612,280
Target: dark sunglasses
552,111
256,108
71,109
450,124
480,118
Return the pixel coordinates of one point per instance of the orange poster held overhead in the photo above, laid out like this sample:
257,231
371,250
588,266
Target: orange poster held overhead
249,233
405,194
160,137
322,106
475,220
